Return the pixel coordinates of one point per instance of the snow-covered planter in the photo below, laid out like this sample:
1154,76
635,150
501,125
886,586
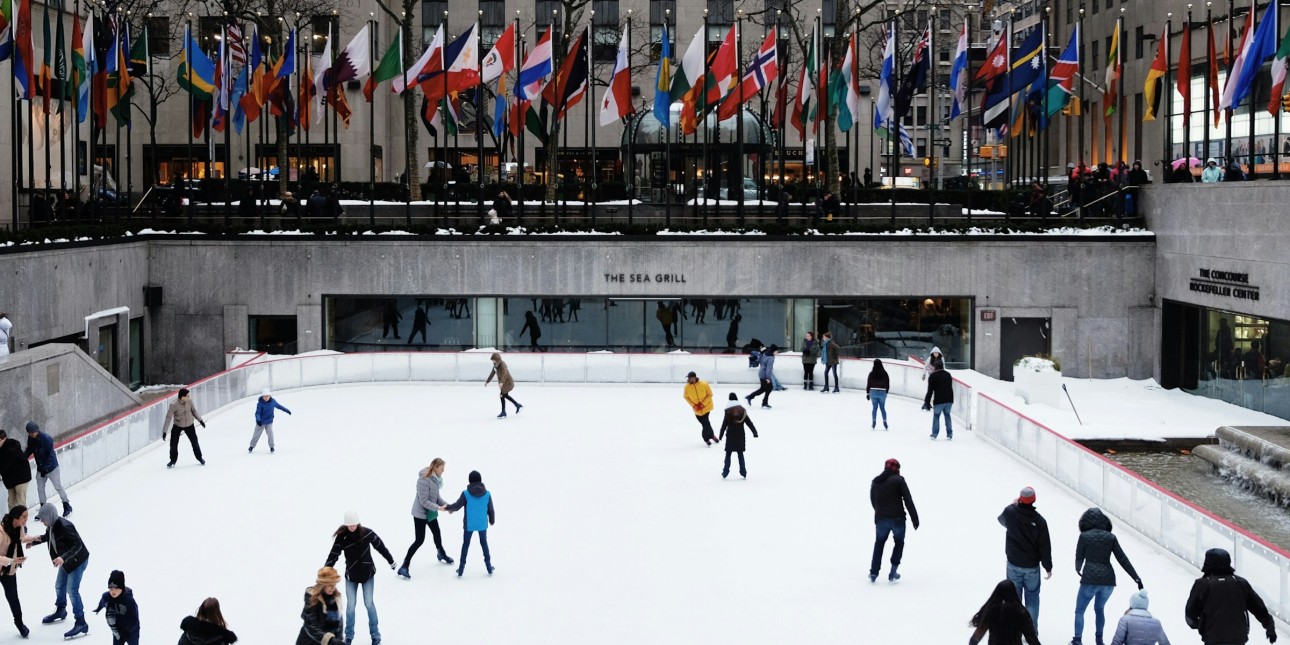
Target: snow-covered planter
1038,379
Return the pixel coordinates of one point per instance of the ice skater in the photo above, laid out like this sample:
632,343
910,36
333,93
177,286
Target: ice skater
1137,622
889,496
733,423
321,616
876,391
1003,616
207,627
264,407
810,352
41,446
533,329
356,542
14,470
1219,601
1027,547
935,360
182,412
699,395
425,513
419,324
71,558
122,610
504,383
478,502
1093,553
940,400
390,318
12,528
765,370
830,355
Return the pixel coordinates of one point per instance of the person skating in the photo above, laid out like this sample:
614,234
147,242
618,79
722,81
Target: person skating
533,329
12,528
940,400
504,383
478,502
765,370
40,446
425,513
1003,616
810,352
1093,553
889,496
14,470
935,359
419,324
699,395
1219,601
829,355
264,408
122,610
71,558
207,627
733,424
1137,626
321,616
182,412
1027,547
356,542
876,392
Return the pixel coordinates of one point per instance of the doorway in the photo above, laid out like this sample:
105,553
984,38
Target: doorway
106,356
1022,337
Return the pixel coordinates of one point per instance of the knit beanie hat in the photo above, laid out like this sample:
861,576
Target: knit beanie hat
116,580
475,477
1027,496
32,426
892,465
328,576
732,397
351,518
265,392
1138,600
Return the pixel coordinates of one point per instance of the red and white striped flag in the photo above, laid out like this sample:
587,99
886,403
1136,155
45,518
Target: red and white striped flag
235,49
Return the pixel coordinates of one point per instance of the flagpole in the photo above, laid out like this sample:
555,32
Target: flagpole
630,166
933,121
371,125
1254,91
93,121
443,122
1186,115
1045,145
1227,116
1121,96
701,201
1166,96
225,79
188,73
522,117
47,86
855,122
62,115
479,127
129,131
667,130
782,105
15,157
1275,149
246,87
893,125
1211,60
738,188
589,197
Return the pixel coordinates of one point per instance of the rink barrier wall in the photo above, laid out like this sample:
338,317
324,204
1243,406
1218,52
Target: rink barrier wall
1177,525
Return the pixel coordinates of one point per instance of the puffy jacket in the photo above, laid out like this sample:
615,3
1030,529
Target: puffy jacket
320,620
889,495
1220,600
1027,544
767,366
122,613
699,396
428,499
478,503
1138,627
14,468
200,632
357,546
1094,549
732,427
810,351
42,448
264,410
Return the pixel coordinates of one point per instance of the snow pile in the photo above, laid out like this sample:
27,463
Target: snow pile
1035,364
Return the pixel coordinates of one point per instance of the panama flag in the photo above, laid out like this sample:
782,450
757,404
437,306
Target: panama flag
958,73
501,58
536,68
1279,75
617,102
882,114
1061,80
1253,52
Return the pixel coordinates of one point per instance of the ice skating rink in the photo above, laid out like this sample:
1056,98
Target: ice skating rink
613,523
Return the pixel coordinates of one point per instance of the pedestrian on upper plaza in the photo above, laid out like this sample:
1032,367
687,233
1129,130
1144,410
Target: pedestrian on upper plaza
1027,547
122,610
425,513
356,542
868,177
732,333
1138,176
478,502
316,205
829,355
889,495
876,391
735,420
1234,173
14,470
764,371
419,324
207,627
1003,616
940,400
182,412
502,204
331,203
665,318
6,329
1212,174
533,330
1093,553
810,353
40,446
699,395
12,528
264,409
71,558
1219,601
934,358
1137,626
322,619
390,318
504,383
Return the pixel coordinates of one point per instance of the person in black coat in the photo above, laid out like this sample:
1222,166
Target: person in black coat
122,610
321,617
207,627
356,542
1004,618
12,527
419,323
735,420
1028,547
71,558
14,469
316,205
940,400
1093,553
1219,601
875,389
532,328
889,495
502,204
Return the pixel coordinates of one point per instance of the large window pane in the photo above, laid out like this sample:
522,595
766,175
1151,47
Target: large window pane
901,327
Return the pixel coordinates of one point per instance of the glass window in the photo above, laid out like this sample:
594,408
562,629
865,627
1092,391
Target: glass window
900,327
1245,360
720,12
605,32
273,334
432,15
159,36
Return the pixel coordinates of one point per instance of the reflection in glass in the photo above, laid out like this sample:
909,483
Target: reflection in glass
1245,360
900,327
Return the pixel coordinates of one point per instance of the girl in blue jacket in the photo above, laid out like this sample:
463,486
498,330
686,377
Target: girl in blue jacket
478,503
264,418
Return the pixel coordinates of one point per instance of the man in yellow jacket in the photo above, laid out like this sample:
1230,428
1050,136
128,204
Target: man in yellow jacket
699,395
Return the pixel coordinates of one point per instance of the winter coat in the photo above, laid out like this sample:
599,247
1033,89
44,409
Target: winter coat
503,374
878,381
664,316
828,352
419,320
810,351
11,547
200,632
63,541
928,365
320,620
735,420
1138,627
182,412
699,396
316,205
531,326
428,500
1027,544
264,410
1219,601
1211,175
42,448
940,388
122,613
889,495
767,366
1000,637
357,546
1094,549
478,503
14,468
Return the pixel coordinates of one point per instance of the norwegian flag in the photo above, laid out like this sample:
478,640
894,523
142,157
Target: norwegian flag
762,70
236,50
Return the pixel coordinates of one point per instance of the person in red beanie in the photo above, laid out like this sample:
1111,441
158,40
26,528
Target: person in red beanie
890,497
1028,547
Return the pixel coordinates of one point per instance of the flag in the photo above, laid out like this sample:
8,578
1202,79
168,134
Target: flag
536,121
501,58
499,104
62,91
1061,80
432,56
722,69
324,64
355,61
906,142
996,64
958,73
915,75
882,113
1213,74
24,55
219,106
235,100
307,93
195,72
617,101
46,66
1152,90
806,89
339,102
125,81
688,83
1254,51
850,105
391,66
663,83
1113,69
6,29
1184,73
1279,75
463,61
537,66
761,71
254,97
286,66
82,59
1030,64
781,104
236,48
140,57
571,85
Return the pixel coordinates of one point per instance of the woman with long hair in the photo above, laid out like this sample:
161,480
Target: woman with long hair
321,615
425,512
207,627
12,526
356,542
876,391
1004,617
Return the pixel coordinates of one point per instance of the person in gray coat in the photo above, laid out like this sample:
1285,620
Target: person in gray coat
1137,626
1093,553
425,512
765,371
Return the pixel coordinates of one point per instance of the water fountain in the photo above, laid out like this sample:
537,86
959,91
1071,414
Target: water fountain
1257,457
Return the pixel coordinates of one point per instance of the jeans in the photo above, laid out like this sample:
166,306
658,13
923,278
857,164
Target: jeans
351,603
884,527
1027,582
69,584
879,400
1099,594
834,369
937,411
743,472
774,382
175,431
465,548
